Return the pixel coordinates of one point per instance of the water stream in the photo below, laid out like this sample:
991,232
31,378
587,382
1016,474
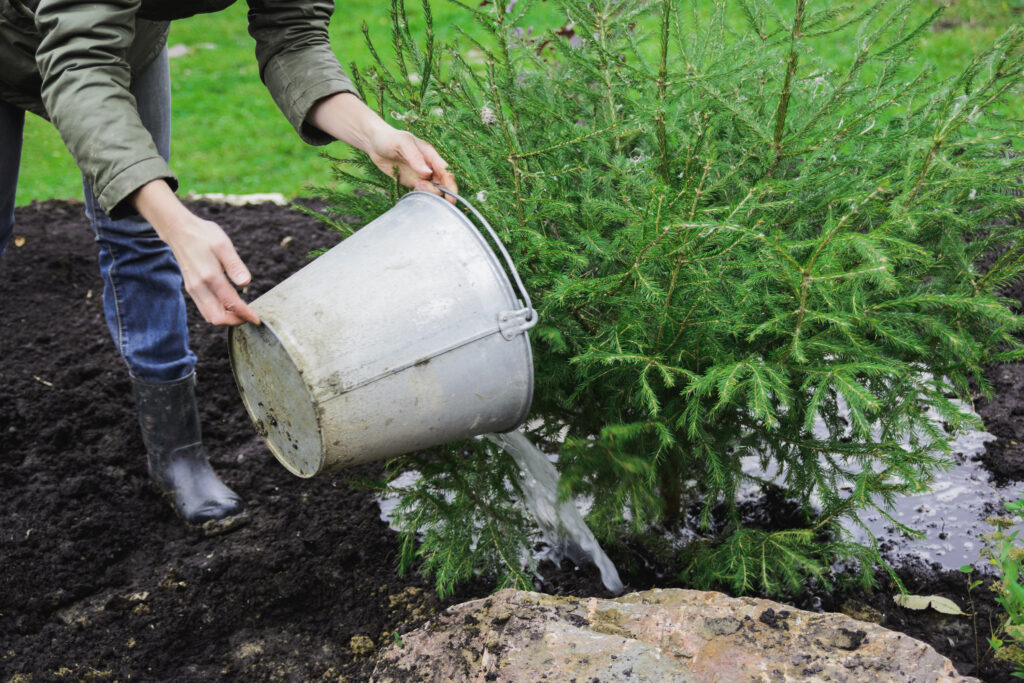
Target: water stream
560,521
563,531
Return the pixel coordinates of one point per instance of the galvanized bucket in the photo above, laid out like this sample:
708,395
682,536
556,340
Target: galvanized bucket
406,335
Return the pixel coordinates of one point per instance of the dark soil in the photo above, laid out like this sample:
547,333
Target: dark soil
100,581
1004,415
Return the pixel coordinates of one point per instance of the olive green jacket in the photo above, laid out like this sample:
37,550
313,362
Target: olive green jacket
72,62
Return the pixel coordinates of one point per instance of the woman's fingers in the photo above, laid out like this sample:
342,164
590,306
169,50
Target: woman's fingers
232,264
416,163
441,175
433,169
208,261
220,304
215,311
409,149
230,309
417,173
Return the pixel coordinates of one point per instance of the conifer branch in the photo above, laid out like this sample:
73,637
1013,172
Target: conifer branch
787,84
659,117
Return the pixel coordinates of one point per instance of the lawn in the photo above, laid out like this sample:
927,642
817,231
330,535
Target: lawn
230,137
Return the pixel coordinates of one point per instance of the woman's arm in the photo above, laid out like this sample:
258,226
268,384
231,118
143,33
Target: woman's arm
85,78
203,252
296,62
307,83
398,153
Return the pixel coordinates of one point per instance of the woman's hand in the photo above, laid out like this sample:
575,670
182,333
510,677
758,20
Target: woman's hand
203,252
400,154
414,162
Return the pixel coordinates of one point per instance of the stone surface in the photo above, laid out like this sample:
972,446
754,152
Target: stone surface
656,635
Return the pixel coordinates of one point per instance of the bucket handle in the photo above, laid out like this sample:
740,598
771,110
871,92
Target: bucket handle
511,323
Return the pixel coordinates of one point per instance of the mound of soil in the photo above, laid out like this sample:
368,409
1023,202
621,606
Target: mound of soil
100,581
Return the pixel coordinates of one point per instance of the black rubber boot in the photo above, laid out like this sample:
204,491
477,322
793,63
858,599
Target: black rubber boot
178,465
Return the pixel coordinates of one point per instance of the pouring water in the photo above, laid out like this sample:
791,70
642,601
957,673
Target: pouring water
560,521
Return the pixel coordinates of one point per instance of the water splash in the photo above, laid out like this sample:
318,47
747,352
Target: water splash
560,521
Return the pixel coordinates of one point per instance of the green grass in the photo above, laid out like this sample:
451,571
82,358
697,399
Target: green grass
230,137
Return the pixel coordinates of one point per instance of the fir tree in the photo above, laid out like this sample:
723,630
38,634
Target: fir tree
726,240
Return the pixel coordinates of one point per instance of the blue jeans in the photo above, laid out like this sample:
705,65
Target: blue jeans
142,284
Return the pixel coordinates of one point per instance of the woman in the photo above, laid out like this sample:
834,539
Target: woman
99,72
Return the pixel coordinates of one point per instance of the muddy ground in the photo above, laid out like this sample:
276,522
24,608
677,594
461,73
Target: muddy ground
99,581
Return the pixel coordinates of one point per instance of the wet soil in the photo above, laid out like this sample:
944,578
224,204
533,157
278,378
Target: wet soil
1004,417
99,581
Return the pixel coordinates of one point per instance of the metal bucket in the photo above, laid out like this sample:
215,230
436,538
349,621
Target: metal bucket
406,335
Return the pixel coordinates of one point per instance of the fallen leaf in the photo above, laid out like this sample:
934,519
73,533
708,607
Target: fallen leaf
936,602
19,241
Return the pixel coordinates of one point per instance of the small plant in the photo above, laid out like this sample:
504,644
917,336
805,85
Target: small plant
972,584
1006,552
739,253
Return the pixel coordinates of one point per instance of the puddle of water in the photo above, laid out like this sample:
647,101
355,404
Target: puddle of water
389,501
951,516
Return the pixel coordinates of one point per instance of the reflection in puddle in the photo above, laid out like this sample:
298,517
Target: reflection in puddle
951,516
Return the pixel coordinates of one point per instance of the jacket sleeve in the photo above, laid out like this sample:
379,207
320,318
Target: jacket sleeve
82,60
295,58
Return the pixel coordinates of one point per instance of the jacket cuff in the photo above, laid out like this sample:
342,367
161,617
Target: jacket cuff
113,197
304,102
296,97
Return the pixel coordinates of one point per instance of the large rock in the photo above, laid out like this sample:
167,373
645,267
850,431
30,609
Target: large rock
657,635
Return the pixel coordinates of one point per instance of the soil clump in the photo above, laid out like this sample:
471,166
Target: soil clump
100,581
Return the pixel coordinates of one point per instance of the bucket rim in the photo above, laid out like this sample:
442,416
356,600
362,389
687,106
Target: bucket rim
249,409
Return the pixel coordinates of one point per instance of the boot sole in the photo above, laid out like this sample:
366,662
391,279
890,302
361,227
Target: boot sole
211,527
217,527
